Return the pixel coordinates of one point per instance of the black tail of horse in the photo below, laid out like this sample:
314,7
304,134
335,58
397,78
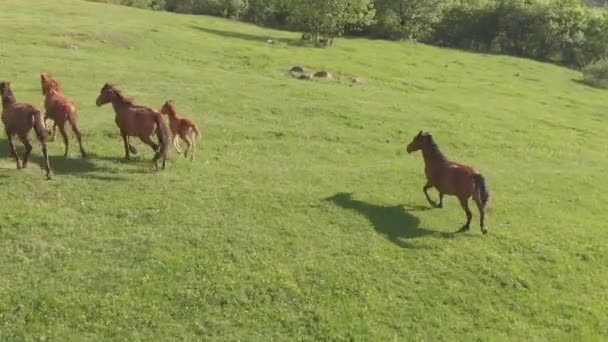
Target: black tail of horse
162,132
482,187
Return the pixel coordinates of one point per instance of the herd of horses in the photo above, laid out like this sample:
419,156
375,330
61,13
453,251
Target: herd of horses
447,177
132,120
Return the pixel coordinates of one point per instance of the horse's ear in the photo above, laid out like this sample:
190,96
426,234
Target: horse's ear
420,133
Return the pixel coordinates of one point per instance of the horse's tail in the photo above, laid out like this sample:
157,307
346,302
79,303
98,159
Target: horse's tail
482,188
39,126
197,132
162,132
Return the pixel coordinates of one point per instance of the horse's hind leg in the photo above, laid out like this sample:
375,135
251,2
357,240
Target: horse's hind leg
28,148
482,214
66,141
148,141
426,187
176,144
13,151
50,132
193,141
78,135
188,144
464,202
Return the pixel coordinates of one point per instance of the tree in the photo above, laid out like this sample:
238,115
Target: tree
413,19
327,19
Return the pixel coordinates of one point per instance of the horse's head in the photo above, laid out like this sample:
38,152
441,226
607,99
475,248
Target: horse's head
4,86
168,108
47,83
44,83
419,142
106,94
6,92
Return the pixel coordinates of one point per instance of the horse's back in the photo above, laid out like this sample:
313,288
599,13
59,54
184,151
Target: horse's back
18,118
138,120
59,106
456,179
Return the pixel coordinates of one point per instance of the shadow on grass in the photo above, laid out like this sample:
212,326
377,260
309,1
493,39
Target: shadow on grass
251,37
590,85
61,165
394,222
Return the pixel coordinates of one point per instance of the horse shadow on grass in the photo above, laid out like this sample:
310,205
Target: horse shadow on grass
396,223
137,164
60,165
246,36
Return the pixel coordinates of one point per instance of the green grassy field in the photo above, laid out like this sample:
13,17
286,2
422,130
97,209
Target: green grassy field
303,217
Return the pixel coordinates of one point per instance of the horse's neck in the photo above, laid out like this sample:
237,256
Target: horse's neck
433,156
172,114
120,105
8,101
53,92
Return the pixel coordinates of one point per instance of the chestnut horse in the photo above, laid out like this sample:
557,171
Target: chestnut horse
451,178
183,128
19,119
60,109
136,121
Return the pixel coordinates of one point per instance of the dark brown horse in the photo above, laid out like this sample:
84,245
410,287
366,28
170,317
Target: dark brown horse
19,119
451,178
136,121
60,109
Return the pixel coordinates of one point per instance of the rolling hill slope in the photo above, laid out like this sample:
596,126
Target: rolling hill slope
303,216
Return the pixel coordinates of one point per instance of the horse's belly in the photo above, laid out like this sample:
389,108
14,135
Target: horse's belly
448,182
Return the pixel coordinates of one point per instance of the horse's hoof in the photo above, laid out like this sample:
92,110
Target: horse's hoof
132,149
438,206
463,229
484,231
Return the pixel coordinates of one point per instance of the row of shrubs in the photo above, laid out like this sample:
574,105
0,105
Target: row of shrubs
560,31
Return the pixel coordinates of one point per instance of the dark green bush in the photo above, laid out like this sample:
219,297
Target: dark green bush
562,31
596,74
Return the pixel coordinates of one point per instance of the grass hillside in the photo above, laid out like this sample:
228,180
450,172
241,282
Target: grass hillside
302,217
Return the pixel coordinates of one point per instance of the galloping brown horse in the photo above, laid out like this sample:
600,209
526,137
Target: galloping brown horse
19,119
183,128
451,178
60,109
136,121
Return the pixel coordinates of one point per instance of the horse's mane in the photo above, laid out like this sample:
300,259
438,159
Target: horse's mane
126,100
435,148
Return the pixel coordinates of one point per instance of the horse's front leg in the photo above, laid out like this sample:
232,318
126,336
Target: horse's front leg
125,140
12,150
425,189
